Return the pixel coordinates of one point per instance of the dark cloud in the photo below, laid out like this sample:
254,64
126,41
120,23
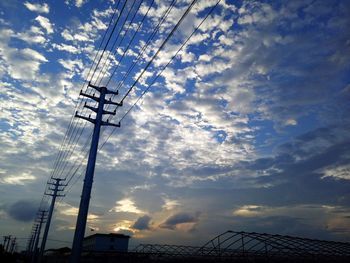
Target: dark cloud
180,218
142,223
23,210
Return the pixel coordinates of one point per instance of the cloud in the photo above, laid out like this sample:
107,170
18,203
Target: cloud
32,36
23,210
337,172
22,179
248,210
23,64
180,218
142,223
44,8
77,3
170,204
66,47
126,205
45,23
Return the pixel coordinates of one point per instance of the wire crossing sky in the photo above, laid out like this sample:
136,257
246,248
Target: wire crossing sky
233,116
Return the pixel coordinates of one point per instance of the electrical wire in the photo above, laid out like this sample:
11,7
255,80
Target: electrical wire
162,70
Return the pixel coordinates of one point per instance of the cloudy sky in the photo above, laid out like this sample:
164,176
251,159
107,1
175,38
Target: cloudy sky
247,129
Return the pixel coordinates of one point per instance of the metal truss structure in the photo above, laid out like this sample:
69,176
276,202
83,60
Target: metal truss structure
234,246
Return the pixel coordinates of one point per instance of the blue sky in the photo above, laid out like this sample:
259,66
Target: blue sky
247,129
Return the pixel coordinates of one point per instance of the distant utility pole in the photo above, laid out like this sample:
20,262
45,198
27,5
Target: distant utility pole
55,188
8,238
41,219
13,244
89,175
32,240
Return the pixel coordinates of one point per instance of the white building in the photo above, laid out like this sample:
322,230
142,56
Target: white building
106,243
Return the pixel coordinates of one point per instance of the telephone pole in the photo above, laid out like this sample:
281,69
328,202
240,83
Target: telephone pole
40,220
90,168
32,240
13,244
55,188
8,238
6,242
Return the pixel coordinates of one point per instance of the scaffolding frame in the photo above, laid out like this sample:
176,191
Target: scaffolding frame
254,247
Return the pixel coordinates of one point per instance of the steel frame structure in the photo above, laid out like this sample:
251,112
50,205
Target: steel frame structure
254,247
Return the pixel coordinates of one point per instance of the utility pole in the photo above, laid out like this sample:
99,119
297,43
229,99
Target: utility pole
40,220
90,168
32,240
56,187
13,244
8,239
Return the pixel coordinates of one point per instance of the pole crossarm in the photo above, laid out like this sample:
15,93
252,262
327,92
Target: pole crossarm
107,123
89,119
119,104
96,109
100,88
97,99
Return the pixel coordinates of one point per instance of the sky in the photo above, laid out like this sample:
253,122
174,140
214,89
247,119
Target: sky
246,130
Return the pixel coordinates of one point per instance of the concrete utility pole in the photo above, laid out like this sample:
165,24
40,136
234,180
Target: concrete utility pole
57,187
89,175
13,244
8,243
32,240
40,220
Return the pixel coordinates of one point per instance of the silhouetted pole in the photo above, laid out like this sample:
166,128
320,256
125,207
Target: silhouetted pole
54,193
89,175
32,240
8,243
13,245
42,214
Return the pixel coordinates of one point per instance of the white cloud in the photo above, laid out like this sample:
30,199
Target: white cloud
337,172
44,8
126,205
71,64
21,179
170,204
66,47
45,23
248,211
67,35
77,3
32,36
21,63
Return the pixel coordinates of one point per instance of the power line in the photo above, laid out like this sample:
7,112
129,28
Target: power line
160,22
76,138
162,70
69,129
107,60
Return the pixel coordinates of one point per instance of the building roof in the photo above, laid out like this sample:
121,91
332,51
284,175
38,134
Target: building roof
116,235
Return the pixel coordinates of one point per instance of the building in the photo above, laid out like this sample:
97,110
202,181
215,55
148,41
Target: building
106,243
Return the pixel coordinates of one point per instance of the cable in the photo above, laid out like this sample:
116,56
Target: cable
74,164
68,132
78,104
132,39
115,42
143,49
75,141
159,74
